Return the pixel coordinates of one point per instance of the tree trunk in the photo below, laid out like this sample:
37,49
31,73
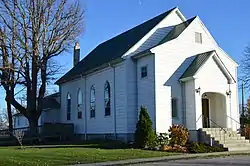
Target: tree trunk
10,120
33,124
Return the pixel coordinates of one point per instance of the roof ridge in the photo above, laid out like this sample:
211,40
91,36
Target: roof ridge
136,26
172,34
119,45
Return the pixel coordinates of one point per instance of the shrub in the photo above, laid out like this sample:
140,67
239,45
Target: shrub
246,132
176,148
144,134
203,148
178,135
163,139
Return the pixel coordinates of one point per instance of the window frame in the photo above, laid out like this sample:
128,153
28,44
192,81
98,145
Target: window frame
92,102
174,100
141,71
107,99
68,113
18,121
79,103
198,38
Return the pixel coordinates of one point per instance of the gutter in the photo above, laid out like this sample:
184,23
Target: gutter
114,100
95,69
85,110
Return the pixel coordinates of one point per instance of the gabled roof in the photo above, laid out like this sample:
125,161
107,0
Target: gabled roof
113,48
198,61
177,30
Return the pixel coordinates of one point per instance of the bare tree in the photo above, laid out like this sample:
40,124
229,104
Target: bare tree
19,135
3,121
245,69
33,33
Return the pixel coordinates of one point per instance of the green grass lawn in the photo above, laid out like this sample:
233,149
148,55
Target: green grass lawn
63,155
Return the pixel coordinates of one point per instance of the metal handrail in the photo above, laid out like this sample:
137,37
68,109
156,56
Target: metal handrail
233,119
242,128
199,118
211,121
221,128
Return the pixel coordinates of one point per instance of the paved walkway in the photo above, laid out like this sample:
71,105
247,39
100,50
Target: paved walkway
220,161
167,158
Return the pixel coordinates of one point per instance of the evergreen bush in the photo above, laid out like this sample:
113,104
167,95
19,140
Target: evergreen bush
144,135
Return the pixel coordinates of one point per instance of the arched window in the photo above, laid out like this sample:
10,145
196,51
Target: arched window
68,106
107,98
92,101
79,104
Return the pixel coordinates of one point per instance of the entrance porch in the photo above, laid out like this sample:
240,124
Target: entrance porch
210,94
214,110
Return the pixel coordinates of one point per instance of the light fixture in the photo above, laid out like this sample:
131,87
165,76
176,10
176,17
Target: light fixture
198,90
228,93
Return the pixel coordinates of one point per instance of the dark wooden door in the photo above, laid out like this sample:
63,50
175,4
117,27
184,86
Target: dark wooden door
205,113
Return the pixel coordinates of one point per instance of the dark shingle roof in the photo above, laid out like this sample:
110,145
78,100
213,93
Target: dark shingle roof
50,102
177,30
112,49
198,61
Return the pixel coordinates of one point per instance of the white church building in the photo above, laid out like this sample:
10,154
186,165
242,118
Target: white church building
170,64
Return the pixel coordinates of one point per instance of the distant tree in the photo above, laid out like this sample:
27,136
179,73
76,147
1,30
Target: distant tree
32,33
245,68
3,120
144,135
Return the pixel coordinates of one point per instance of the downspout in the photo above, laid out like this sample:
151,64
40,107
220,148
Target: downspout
114,99
136,89
230,106
85,112
183,98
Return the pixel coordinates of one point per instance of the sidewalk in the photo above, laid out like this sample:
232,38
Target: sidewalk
174,157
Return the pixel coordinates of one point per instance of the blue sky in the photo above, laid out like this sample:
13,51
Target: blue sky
228,22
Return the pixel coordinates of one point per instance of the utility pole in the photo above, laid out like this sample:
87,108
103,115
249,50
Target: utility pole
242,98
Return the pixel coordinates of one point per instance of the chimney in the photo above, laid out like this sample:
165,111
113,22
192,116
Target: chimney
76,53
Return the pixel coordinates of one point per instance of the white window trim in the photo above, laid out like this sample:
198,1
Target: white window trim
174,98
141,71
199,35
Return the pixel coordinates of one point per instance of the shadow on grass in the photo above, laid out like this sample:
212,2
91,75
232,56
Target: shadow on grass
87,144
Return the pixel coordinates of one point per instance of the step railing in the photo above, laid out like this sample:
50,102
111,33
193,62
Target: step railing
221,135
236,124
243,128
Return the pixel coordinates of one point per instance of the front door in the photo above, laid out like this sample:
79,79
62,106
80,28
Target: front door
205,113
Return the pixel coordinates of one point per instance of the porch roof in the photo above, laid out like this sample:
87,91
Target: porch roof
200,60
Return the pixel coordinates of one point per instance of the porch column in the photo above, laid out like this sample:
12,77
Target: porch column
198,111
229,112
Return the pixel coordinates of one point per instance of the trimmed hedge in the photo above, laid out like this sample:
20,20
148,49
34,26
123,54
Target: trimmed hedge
204,148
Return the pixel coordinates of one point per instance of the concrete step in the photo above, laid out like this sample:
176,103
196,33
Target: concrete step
216,129
232,141
231,145
222,135
223,132
228,138
241,148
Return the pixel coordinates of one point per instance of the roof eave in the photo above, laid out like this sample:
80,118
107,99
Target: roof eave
185,79
113,62
224,69
142,54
